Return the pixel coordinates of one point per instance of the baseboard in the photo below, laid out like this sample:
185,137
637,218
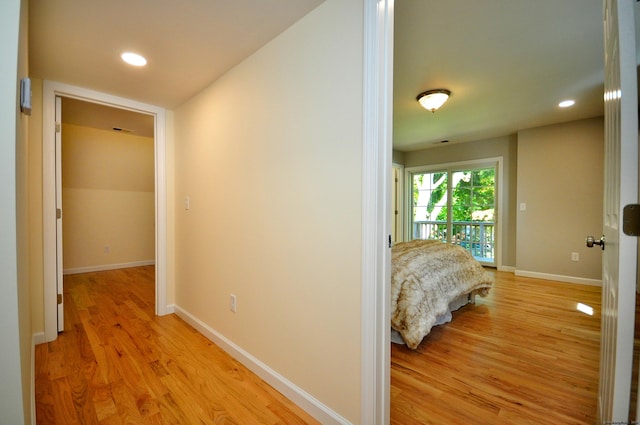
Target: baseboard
171,308
104,267
38,338
509,269
294,393
559,278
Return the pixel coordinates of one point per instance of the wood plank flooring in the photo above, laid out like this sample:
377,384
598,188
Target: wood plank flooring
117,363
522,355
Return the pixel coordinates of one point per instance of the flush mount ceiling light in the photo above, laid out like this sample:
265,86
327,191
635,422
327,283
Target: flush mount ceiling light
566,103
431,100
133,59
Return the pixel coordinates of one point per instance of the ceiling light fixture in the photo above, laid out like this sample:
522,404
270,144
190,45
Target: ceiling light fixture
133,59
432,100
566,103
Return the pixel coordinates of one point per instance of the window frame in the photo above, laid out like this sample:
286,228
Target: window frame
451,167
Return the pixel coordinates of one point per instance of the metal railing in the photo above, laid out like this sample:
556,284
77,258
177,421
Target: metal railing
476,237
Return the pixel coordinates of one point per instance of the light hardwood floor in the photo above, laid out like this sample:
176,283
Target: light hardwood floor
522,355
117,363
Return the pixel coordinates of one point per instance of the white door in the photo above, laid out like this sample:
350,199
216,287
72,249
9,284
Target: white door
620,182
58,154
397,189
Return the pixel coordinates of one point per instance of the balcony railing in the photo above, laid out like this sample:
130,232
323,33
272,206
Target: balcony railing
476,237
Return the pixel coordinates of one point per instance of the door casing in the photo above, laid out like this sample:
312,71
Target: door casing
52,89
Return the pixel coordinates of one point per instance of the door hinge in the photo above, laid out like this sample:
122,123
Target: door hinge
58,213
58,128
59,298
631,220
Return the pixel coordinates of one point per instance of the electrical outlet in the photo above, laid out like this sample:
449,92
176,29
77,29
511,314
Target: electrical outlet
575,256
232,303
106,249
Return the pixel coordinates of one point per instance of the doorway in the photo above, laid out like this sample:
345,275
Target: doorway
52,265
107,186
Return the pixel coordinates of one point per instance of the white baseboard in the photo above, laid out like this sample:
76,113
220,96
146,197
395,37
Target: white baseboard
509,269
560,278
104,267
38,338
294,393
171,308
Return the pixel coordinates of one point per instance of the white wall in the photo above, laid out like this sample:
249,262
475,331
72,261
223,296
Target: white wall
271,158
14,350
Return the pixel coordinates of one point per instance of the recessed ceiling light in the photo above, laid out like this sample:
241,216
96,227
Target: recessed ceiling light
566,103
133,59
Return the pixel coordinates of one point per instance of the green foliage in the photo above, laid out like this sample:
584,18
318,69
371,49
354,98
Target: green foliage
475,191
439,192
472,203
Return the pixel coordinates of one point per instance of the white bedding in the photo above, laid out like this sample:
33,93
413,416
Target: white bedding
426,277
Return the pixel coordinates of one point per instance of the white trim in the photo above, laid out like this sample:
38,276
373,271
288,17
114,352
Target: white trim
104,267
38,338
559,278
52,89
294,393
376,222
509,269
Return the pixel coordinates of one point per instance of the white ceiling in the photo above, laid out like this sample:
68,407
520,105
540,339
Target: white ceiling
508,63
188,44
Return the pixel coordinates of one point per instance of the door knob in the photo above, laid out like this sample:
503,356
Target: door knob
591,242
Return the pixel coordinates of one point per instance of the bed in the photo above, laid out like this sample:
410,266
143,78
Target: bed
429,279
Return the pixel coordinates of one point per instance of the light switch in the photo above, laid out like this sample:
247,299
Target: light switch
523,206
187,202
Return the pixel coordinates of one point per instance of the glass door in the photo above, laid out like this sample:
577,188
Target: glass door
456,205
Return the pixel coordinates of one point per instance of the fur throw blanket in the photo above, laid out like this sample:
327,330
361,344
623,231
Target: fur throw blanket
426,275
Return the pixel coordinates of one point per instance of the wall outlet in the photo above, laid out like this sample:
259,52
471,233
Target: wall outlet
575,256
233,303
107,249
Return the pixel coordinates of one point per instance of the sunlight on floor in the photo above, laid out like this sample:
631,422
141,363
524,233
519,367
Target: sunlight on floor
585,309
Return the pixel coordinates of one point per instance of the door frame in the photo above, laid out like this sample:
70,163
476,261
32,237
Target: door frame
376,205
52,89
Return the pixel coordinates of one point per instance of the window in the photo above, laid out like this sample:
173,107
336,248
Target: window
456,204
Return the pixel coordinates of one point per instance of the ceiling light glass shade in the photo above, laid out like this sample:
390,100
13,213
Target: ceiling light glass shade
431,100
133,59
